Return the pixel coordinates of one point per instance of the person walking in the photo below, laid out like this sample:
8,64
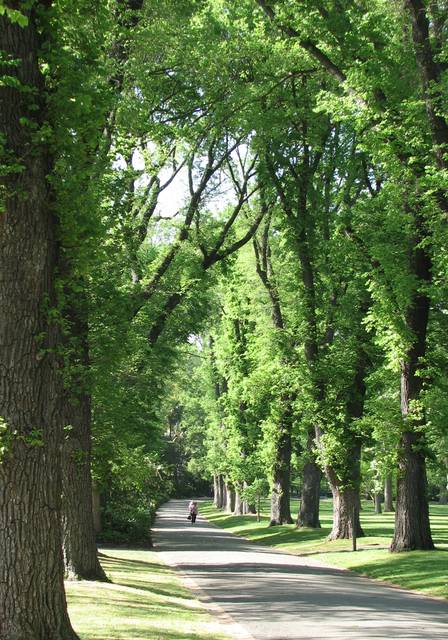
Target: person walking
193,510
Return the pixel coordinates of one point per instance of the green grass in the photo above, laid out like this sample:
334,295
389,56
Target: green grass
146,600
424,571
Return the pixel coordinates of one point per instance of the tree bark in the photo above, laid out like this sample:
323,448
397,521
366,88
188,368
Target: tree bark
238,509
388,499
412,527
215,490
79,545
309,505
230,498
430,72
345,512
377,500
281,477
32,597
222,491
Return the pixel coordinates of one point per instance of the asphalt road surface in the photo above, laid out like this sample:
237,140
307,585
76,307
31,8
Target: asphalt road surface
277,596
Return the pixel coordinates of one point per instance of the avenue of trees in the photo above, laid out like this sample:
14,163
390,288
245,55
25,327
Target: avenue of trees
223,252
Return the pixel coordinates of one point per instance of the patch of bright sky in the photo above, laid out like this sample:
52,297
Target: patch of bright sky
176,195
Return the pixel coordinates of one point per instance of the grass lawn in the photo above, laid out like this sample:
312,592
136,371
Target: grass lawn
425,571
146,600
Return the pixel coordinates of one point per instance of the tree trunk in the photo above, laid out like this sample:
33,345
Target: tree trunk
223,491
345,513
346,498
443,496
216,490
32,597
238,509
377,500
412,528
230,498
431,74
79,545
281,481
309,505
388,499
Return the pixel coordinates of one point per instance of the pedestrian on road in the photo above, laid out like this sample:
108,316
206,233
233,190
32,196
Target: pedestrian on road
193,510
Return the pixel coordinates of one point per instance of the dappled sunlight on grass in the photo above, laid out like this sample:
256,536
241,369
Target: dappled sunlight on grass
425,571
145,600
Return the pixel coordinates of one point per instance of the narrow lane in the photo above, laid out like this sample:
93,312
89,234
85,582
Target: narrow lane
277,596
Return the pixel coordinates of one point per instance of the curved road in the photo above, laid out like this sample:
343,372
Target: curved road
277,596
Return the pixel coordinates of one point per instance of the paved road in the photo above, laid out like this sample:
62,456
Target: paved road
276,596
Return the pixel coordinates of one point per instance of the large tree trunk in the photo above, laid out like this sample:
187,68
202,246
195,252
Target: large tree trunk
309,505
388,498
346,498
345,513
377,502
215,489
222,491
230,498
412,528
431,74
32,598
281,478
238,509
79,545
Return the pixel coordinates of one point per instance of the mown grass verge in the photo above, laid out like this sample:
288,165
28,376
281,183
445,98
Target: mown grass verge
424,571
146,600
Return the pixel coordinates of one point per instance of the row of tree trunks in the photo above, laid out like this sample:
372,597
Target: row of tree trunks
412,528
32,597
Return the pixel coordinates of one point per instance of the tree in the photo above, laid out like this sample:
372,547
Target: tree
386,107
32,592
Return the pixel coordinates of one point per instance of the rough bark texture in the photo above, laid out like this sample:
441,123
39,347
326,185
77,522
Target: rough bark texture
412,530
388,498
345,512
309,505
32,598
